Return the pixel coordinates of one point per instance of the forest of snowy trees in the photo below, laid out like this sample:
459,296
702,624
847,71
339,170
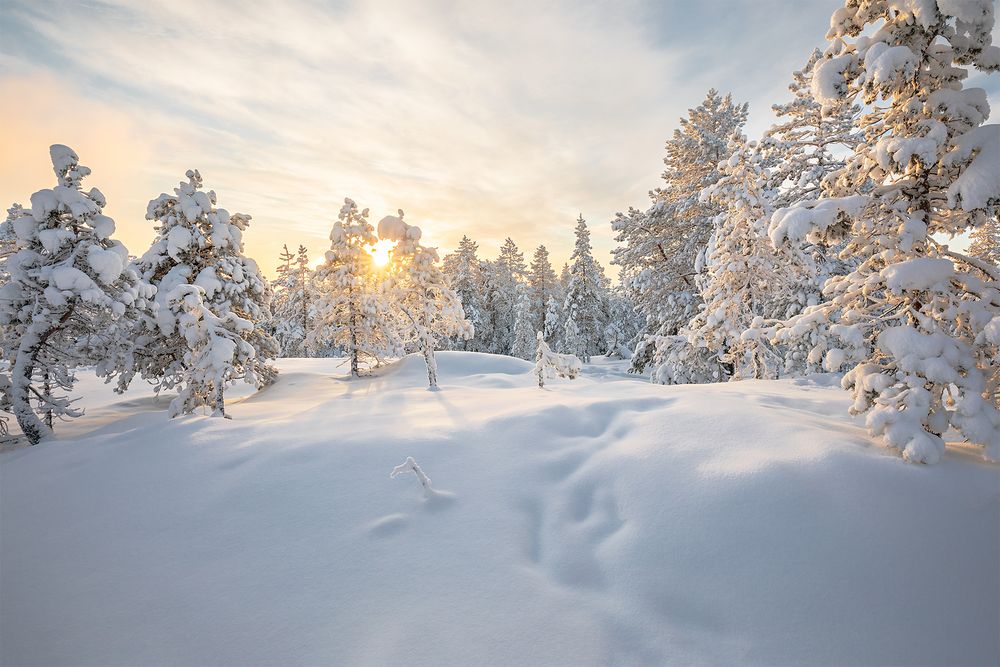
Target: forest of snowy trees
505,302
822,245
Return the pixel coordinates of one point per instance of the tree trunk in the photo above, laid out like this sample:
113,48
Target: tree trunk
24,367
353,318
354,353
20,398
305,313
219,400
540,360
431,363
47,393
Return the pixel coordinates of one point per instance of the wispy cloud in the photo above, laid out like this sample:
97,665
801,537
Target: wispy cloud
492,118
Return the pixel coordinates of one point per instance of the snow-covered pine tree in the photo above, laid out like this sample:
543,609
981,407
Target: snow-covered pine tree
584,306
68,297
214,347
304,294
659,247
807,145
809,142
623,326
489,333
984,243
502,280
985,247
212,303
8,240
524,332
542,284
564,277
351,308
742,275
291,302
285,259
555,326
431,310
8,246
924,309
465,277
555,314
285,330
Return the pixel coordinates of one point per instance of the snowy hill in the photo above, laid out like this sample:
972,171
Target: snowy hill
600,520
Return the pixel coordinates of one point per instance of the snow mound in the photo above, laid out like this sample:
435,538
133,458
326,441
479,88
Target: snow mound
453,366
608,521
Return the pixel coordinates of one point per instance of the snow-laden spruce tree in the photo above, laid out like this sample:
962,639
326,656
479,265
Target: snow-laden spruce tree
659,247
810,141
214,347
502,279
352,310
212,303
285,331
524,332
985,242
68,297
430,310
542,285
740,282
922,309
585,304
8,240
802,150
292,294
550,364
555,325
985,247
465,277
623,326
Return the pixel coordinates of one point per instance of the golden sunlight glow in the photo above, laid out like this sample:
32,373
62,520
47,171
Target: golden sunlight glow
380,253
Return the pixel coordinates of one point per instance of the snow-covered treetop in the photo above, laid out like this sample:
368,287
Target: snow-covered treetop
905,60
189,222
66,232
66,164
887,61
352,228
701,142
66,295
802,147
392,228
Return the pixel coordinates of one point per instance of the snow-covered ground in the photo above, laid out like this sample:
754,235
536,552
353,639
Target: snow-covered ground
603,520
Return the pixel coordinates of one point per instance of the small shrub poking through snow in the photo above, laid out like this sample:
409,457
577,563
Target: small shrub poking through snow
552,364
409,465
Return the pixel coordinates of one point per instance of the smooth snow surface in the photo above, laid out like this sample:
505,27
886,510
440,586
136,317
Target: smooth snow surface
601,520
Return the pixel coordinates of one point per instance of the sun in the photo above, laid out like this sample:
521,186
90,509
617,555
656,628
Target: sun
380,253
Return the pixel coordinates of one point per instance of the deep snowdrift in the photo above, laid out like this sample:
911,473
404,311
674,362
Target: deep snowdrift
600,520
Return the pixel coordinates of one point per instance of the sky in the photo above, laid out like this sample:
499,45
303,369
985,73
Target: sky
490,119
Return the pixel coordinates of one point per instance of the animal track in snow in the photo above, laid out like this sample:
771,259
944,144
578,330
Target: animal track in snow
568,536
